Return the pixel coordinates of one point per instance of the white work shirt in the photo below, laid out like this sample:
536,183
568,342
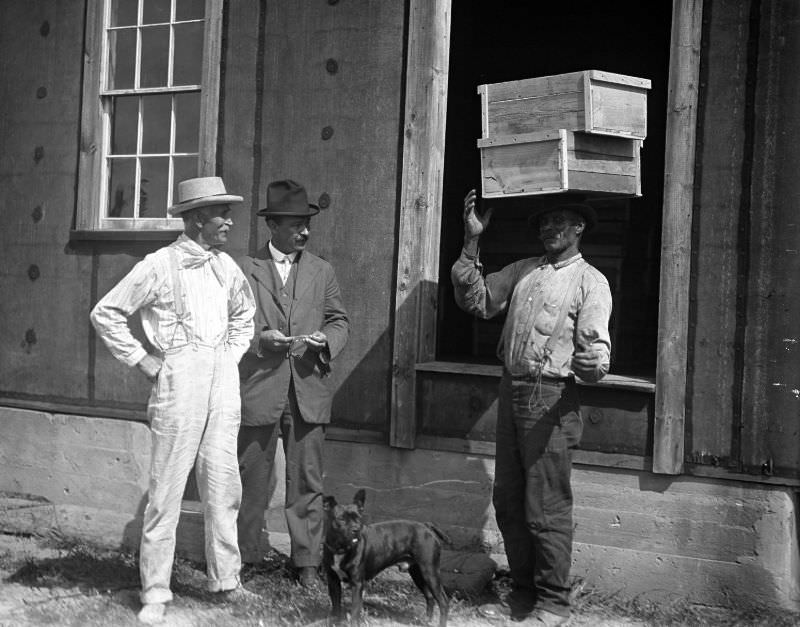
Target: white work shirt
282,261
218,302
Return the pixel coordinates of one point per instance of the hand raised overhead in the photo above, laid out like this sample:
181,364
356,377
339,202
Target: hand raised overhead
474,223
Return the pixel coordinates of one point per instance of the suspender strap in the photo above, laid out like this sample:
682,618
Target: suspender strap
177,286
569,297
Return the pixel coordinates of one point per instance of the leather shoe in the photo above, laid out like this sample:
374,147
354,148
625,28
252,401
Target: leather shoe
517,605
545,618
495,611
307,576
237,595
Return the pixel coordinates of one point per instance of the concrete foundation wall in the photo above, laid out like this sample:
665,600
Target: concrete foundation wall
659,537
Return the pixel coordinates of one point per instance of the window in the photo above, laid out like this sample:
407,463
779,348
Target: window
150,101
627,37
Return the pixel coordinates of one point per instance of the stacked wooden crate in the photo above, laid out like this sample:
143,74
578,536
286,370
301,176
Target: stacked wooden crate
577,132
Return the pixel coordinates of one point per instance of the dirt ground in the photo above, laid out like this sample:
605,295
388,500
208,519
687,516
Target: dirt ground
47,581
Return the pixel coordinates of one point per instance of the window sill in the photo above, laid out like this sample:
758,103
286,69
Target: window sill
124,235
613,381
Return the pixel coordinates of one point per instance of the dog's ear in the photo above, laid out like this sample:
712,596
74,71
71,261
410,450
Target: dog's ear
328,503
359,499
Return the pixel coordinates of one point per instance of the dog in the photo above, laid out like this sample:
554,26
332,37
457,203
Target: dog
354,553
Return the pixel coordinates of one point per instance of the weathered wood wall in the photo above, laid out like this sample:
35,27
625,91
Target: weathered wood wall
744,390
44,284
771,376
310,91
314,91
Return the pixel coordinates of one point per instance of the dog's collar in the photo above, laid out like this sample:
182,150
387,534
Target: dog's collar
353,544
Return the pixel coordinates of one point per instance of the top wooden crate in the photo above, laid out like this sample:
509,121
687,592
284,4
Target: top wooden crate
592,101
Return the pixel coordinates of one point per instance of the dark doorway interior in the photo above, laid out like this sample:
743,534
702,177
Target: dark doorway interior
500,41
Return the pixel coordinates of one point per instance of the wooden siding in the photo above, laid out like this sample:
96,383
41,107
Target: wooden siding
43,279
357,166
771,384
713,380
465,406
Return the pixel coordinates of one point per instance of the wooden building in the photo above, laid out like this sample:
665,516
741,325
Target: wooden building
686,482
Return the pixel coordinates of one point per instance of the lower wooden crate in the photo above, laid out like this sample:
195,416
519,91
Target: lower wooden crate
552,162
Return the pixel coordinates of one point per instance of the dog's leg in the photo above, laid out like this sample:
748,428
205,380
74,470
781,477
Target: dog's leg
433,584
416,574
335,592
357,602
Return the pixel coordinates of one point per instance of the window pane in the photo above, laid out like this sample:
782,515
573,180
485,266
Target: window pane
155,56
124,12
121,187
156,123
122,58
188,54
124,124
153,190
155,11
189,10
187,122
185,168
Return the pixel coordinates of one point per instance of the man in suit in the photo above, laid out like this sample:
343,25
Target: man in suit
300,327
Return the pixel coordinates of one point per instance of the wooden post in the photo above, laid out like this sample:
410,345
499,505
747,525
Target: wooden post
673,313
209,109
420,208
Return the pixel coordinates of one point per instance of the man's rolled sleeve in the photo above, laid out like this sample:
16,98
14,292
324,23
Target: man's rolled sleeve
592,326
110,315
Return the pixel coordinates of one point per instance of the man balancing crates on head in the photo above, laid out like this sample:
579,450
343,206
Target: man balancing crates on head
557,311
197,312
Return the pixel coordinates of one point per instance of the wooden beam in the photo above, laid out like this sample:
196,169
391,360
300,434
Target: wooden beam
209,109
420,208
673,313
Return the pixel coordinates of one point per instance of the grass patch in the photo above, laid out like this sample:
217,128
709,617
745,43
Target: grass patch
78,584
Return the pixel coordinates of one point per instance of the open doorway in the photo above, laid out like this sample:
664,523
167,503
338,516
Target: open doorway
493,42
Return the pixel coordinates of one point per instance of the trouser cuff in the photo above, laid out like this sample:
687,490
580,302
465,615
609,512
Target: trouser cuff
155,596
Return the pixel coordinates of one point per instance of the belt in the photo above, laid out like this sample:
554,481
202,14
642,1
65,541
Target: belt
532,378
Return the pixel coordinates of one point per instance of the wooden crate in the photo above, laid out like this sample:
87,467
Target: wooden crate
591,101
559,161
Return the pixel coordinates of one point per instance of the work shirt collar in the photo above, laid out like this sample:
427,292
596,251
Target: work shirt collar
563,264
280,257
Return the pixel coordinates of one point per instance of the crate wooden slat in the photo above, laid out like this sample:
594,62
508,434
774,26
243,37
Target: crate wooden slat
559,161
591,101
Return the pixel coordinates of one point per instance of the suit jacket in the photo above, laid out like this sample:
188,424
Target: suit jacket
310,301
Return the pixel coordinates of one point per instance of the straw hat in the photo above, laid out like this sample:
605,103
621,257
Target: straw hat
201,192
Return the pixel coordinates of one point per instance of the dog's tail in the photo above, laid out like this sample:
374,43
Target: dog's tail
439,533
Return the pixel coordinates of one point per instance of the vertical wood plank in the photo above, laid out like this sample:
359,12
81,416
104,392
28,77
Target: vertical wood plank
209,108
419,228
90,149
671,371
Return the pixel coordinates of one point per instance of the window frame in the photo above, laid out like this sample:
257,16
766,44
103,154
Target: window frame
90,223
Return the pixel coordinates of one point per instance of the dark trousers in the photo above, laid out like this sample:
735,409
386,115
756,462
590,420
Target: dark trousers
537,425
302,444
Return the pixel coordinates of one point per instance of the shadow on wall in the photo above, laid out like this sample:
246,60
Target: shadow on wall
451,488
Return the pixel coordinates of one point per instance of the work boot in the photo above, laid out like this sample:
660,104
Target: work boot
517,605
151,613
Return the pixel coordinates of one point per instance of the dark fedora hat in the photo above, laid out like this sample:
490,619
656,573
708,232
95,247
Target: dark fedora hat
583,210
287,198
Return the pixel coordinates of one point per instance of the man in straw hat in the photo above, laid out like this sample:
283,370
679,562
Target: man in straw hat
557,310
301,326
197,313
